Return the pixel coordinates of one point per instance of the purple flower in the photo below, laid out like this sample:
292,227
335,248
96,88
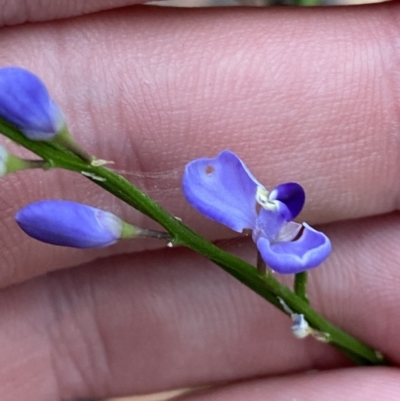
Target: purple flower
224,190
26,103
69,224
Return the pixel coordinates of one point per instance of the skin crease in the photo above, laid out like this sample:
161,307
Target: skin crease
301,95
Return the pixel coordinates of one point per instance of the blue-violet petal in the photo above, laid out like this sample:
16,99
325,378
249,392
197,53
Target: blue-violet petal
26,103
308,251
69,224
268,225
222,189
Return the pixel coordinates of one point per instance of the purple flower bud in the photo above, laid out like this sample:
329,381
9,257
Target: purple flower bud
26,103
69,224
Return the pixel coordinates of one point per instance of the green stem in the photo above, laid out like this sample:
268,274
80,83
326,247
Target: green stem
300,285
264,285
307,3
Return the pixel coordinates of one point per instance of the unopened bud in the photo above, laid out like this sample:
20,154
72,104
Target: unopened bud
26,103
75,225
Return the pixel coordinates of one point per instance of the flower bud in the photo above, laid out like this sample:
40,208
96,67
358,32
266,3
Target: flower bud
26,103
71,224
76,225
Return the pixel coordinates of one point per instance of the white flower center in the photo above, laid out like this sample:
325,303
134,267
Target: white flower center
262,198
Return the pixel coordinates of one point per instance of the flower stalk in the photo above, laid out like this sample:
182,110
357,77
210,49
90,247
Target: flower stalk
300,285
266,286
64,139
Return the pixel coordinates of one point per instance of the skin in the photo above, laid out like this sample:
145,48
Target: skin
306,95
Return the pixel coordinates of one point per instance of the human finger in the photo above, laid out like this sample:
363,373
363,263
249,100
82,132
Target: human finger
153,89
19,12
115,326
346,385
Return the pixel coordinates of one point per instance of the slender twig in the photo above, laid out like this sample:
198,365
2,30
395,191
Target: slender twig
266,286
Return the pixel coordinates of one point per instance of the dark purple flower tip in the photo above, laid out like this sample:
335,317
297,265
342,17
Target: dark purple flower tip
223,189
26,103
69,224
292,195
305,253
